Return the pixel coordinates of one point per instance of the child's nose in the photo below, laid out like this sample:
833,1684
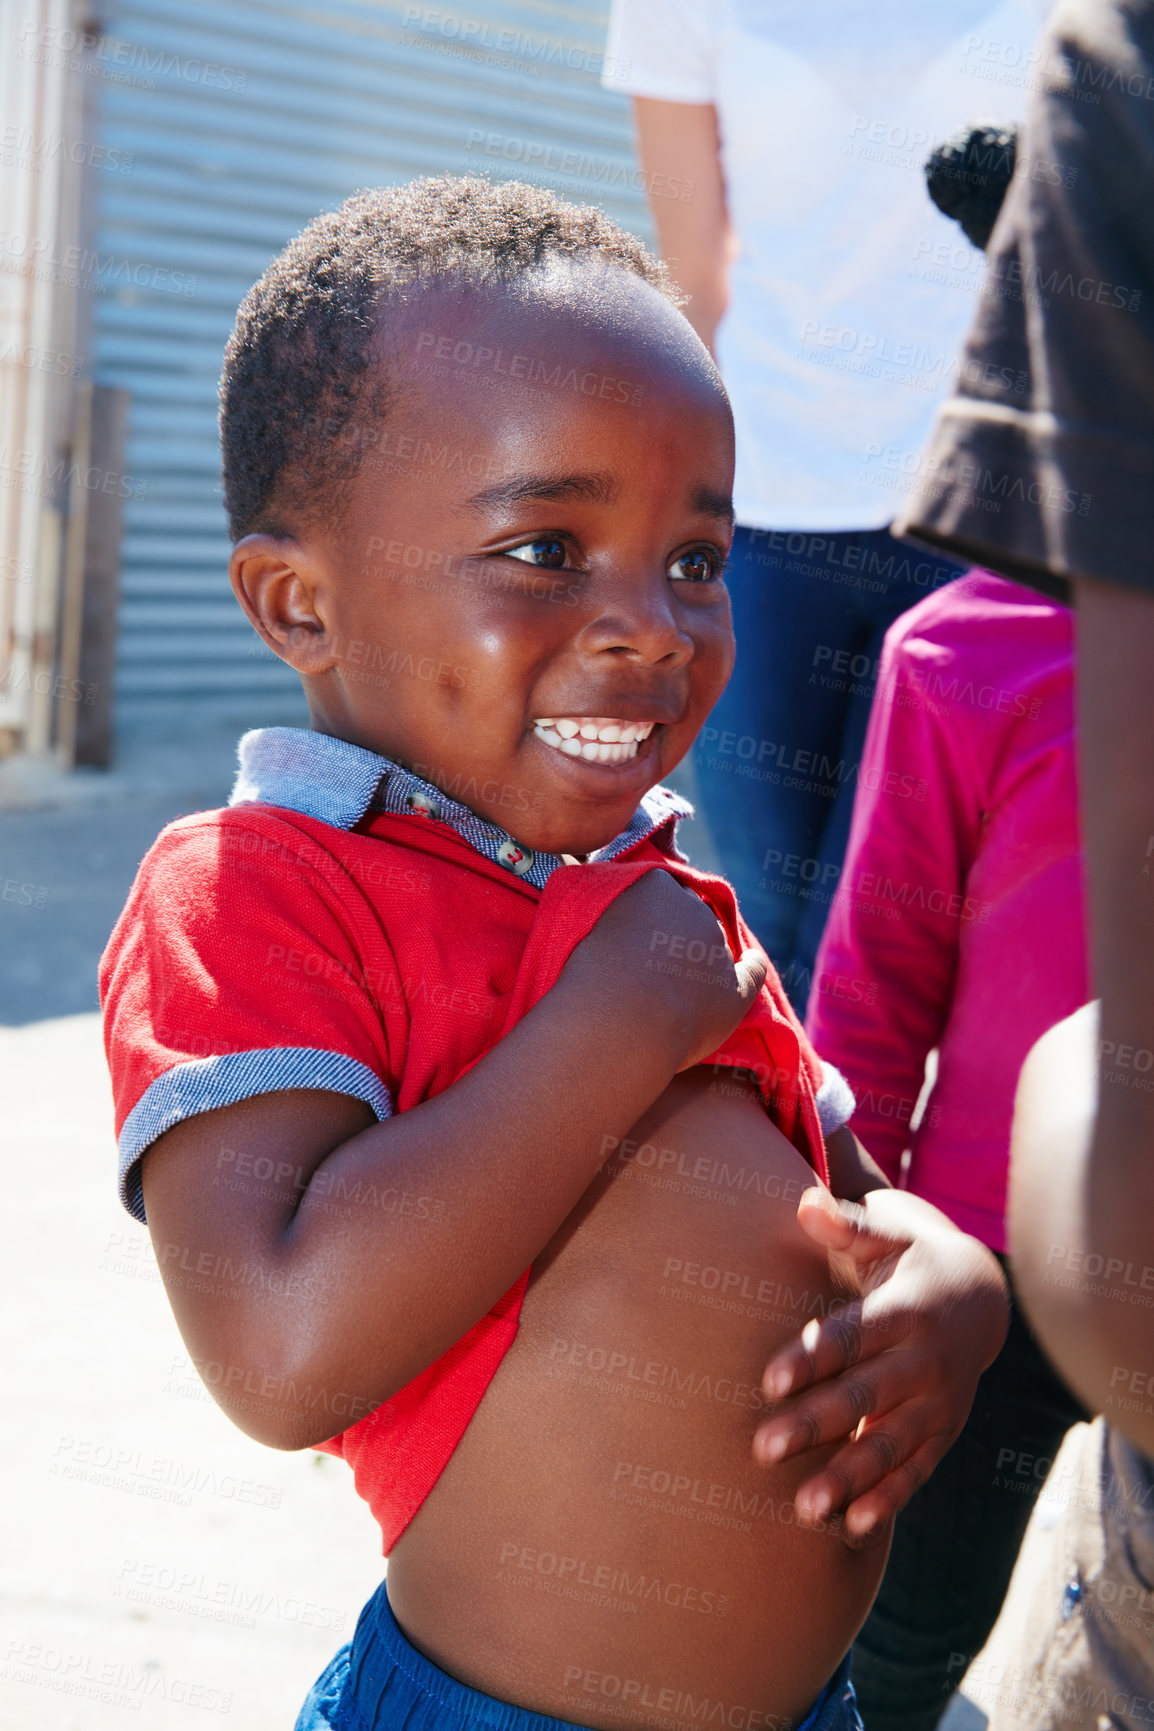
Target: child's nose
641,625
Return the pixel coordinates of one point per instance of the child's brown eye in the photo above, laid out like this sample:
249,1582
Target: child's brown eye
548,553
699,565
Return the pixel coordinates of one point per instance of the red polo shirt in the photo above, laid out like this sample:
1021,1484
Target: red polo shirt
346,926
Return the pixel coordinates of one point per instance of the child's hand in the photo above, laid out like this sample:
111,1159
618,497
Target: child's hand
662,940
892,1371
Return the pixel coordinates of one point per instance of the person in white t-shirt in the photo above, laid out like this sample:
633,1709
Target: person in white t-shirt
782,144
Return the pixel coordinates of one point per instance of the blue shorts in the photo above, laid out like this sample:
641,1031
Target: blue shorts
380,1681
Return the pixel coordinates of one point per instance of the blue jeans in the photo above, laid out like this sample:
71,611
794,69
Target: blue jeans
380,1681
777,761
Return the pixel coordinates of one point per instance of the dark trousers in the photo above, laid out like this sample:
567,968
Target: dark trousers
956,1541
776,763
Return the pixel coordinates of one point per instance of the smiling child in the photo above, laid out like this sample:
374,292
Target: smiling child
502,1109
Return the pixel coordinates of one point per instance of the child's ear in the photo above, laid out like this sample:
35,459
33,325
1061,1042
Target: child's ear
277,582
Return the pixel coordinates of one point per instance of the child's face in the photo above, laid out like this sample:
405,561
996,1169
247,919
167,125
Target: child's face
535,539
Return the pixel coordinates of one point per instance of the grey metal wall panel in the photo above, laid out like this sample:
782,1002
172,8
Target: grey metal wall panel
235,123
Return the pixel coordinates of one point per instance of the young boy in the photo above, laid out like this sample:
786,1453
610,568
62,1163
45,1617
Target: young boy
414,1034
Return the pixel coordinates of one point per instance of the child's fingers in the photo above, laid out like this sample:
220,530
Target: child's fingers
867,1516
829,1345
826,1220
825,1346
894,1454
751,968
835,1408
844,1226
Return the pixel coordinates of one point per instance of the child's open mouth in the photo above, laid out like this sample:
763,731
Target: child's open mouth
595,738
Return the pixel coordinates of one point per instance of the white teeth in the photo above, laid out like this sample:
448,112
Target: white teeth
604,729
595,739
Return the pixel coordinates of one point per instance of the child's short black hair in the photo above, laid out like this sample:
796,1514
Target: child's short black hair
299,358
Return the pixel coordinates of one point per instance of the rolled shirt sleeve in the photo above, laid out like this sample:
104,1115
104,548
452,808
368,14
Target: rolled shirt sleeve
237,969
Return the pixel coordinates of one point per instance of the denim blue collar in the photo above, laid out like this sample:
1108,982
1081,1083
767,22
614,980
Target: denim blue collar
338,783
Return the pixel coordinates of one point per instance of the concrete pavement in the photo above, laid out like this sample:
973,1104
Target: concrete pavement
158,1568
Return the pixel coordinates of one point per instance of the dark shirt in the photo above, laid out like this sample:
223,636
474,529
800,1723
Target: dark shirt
1042,464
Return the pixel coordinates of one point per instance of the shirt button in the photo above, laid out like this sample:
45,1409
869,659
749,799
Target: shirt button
422,806
516,858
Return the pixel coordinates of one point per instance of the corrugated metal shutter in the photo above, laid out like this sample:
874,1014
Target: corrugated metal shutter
227,126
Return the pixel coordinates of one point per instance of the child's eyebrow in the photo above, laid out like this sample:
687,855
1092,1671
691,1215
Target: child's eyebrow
711,503
592,488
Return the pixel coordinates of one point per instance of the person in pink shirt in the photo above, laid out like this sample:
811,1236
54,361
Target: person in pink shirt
958,926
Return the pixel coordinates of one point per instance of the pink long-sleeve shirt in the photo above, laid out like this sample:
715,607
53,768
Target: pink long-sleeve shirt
958,921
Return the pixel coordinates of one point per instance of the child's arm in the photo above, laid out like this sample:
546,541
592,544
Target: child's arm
902,1361
324,1290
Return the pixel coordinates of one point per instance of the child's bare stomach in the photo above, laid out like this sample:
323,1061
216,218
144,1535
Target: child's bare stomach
601,1547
